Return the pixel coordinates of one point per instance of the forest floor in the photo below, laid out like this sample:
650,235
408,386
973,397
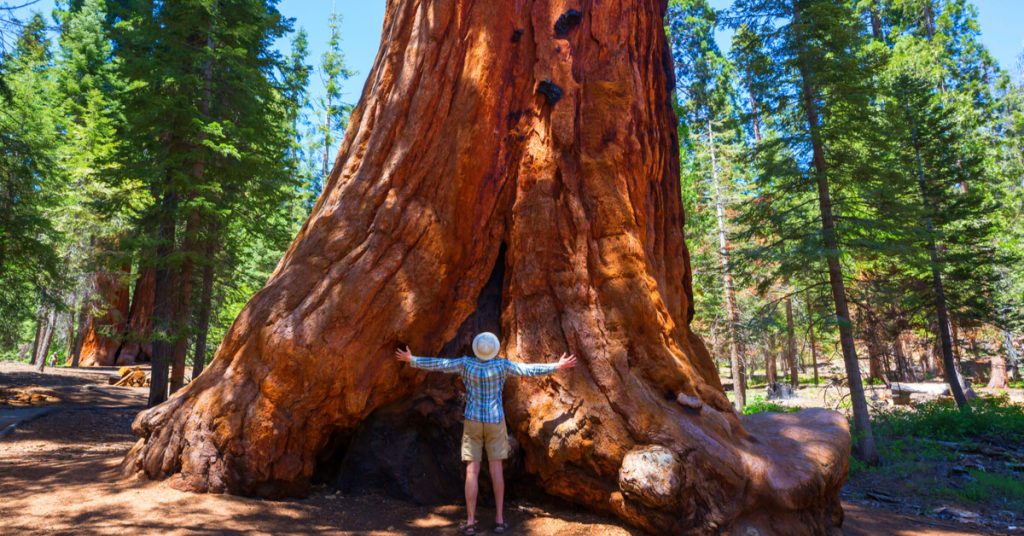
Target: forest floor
59,475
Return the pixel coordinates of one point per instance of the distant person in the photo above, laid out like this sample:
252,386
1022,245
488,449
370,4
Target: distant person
484,427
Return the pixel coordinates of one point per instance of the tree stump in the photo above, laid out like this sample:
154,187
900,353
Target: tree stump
465,194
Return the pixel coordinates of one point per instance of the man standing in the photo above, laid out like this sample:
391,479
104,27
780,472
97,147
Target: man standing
484,427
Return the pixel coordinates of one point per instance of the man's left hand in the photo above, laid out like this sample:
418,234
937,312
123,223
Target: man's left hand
403,355
567,361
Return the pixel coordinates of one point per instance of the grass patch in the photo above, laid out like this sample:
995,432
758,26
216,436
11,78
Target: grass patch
916,456
992,487
760,405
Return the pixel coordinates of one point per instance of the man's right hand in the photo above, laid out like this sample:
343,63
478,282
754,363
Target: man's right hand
567,361
403,355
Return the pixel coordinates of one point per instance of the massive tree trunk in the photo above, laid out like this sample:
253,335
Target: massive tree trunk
533,147
107,315
998,378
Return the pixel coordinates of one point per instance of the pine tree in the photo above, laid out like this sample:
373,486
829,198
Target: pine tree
208,129
812,54
87,85
712,139
332,111
30,272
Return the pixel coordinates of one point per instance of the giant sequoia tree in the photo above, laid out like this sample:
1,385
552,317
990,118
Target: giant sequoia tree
510,165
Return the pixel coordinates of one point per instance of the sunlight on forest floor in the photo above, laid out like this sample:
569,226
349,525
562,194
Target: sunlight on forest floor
71,457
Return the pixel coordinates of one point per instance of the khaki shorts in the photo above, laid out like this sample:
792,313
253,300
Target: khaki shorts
476,436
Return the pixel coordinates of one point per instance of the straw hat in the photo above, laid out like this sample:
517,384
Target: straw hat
485,345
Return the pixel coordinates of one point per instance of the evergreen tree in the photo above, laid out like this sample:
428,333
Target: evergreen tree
713,140
88,86
30,271
207,126
333,113
812,51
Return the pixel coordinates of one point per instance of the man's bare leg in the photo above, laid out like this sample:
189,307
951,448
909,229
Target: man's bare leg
498,478
472,473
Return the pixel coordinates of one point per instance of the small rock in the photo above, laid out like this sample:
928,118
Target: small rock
689,401
956,513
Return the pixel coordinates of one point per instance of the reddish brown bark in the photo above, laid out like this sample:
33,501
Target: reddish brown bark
107,314
136,347
462,148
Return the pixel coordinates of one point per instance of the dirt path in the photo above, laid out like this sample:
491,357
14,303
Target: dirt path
58,475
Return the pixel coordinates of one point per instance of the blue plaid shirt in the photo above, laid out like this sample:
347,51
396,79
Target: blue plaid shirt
484,381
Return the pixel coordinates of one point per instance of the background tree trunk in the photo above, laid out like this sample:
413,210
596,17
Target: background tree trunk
810,337
533,147
866,442
49,329
794,376
205,305
107,315
1011,355
83,318
40,329
165,297
947,339
137,346
183,304
998,379
739,377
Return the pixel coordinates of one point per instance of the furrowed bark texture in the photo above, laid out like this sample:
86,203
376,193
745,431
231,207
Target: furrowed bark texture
492,144
131,326
136,348
107,315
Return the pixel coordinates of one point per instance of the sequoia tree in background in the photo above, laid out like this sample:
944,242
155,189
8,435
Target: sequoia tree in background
510,164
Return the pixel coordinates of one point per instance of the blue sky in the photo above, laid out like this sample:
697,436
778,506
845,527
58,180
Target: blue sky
1002,26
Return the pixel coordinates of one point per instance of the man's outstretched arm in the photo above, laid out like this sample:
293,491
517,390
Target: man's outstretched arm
429,363
541,369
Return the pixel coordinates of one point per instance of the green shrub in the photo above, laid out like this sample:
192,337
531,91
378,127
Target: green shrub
991,417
